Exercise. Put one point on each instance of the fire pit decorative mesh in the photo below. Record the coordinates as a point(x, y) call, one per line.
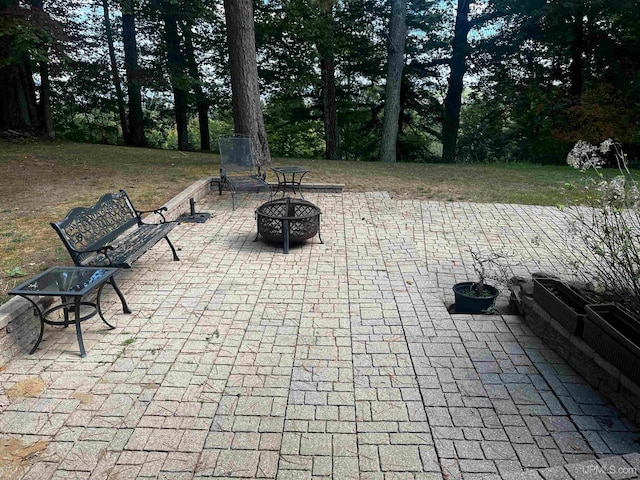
point(288, 220)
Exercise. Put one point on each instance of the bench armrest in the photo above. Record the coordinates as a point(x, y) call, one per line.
point(157, 210)
point(103, 250)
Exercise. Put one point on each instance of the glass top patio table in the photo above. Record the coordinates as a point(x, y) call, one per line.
point(70, 284)
point(65, 281)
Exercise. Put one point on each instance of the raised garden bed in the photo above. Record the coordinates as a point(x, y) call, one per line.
point(562, 302)
point(592, 356)
point(615, 334)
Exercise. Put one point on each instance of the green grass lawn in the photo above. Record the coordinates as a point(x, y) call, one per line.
point(41, 182)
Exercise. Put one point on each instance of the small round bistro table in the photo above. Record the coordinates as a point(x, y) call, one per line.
point(291, 182)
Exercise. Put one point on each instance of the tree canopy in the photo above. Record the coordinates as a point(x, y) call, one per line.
point(476, 80)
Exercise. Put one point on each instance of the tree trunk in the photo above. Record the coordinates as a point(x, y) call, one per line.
point(397, 39)
point(136, 119)
point(327, 71)
point(115, 76)
point(330, 109)
point(28, 85)
point(45, 102)
point(202, 105)
point(247, 111)
point(18, 104)
point(176, 66)
point(44, 106)
point(453, 99)
point(577, 51)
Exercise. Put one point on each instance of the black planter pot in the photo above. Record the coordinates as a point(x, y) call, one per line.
point(467, 301)
point(614, 333)
point(561, 302)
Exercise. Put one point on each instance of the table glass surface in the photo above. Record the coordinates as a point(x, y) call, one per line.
point(290, 169)
point(67, 281)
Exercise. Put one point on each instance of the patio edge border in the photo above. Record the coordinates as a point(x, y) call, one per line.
point(316, 187)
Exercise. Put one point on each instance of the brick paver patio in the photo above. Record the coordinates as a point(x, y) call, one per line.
point(337, 360)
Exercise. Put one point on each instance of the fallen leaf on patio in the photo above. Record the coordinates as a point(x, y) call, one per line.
point(15, 456)
point(30, 387)
point(84, 398)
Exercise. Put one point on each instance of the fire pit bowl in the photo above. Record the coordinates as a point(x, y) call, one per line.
point(288, 220)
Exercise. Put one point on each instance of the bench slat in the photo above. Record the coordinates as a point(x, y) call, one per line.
point(131, 247)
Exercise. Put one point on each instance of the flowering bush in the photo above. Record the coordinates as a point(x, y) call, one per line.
point(608, 231)
point(584, 156)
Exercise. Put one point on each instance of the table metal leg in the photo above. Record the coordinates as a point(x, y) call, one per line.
point(98, 306)
point(65, 311)
point(36, 308)
point(298, 184)
point(282, 184)
point(83, 353)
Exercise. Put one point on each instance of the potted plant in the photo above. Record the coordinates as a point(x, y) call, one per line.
point(479, 297)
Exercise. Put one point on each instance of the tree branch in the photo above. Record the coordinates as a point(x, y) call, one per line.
point(485, 18)
point(425, 66)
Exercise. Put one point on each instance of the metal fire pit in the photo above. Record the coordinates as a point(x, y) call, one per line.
point(288, 220)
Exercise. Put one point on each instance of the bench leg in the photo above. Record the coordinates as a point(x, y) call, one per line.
point(175, 255)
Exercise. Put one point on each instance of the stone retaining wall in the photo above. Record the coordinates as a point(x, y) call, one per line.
point(315, 187)
point(604, 377)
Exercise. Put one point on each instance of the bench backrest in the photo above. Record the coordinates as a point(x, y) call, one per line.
point(86, 228)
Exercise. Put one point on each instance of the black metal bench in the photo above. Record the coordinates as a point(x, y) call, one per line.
point(111, 233)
